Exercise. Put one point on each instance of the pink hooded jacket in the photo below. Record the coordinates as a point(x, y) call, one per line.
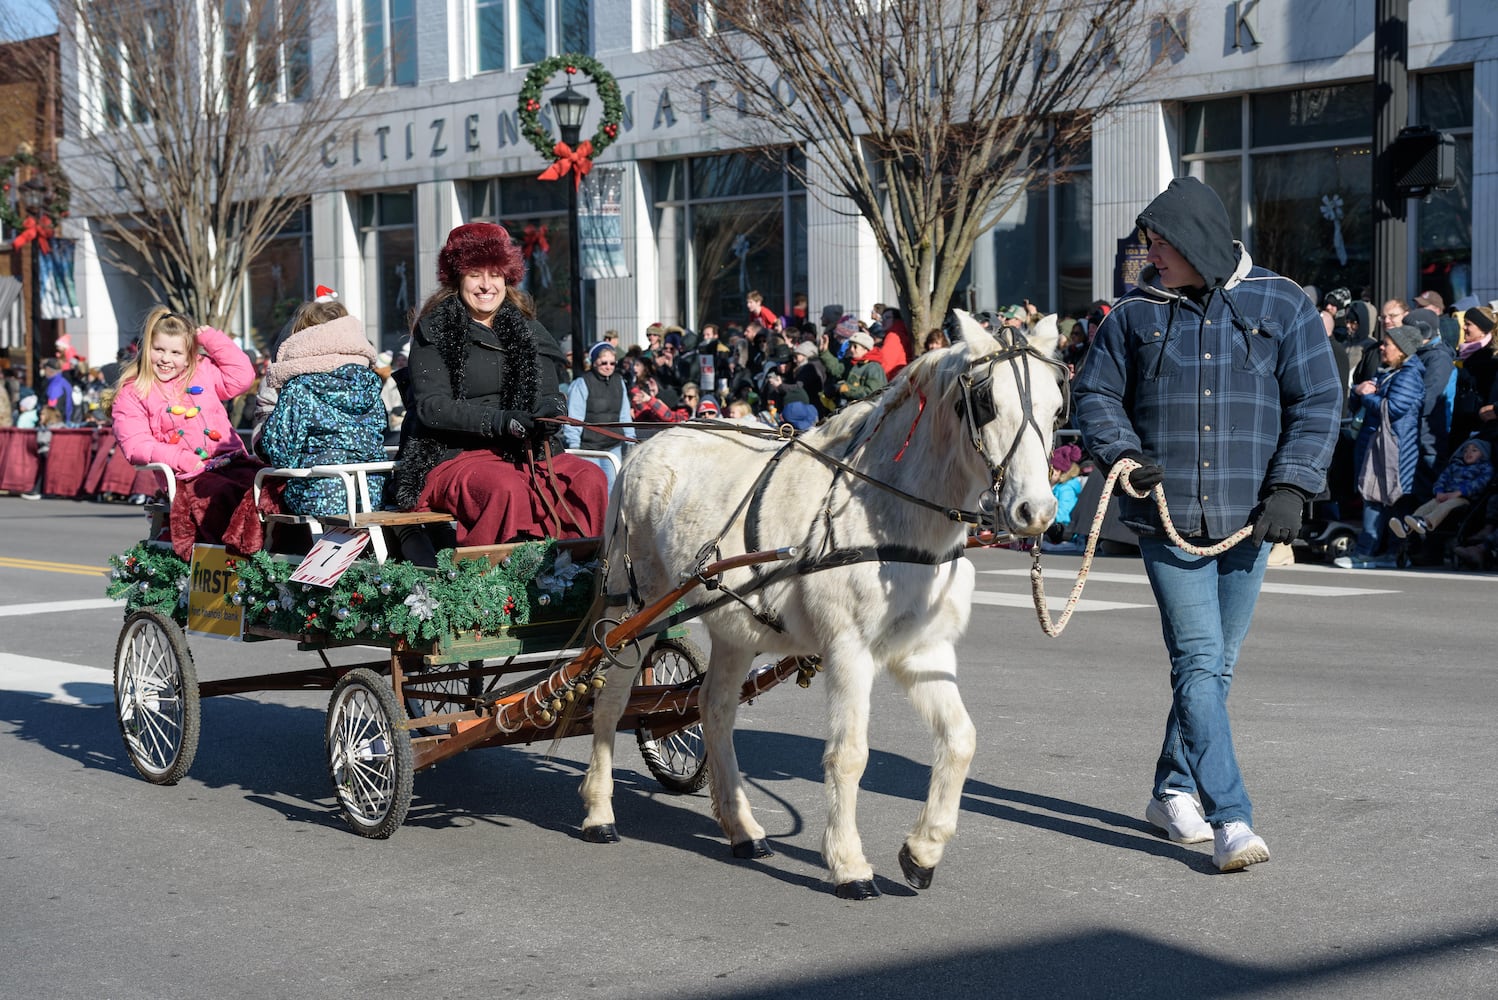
point(148, 431)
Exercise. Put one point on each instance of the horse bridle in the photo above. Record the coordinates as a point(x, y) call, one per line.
point(976, 406)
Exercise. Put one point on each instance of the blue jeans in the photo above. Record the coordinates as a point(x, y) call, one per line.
point(1375, 517)
point(1206, 605)
point(604, 464)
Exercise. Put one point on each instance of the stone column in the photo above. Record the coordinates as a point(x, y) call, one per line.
point(1133, 159)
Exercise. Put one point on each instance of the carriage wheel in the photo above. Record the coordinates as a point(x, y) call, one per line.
point(156, 697)
point(369, 754)
point(418, 706)
point(678, 761)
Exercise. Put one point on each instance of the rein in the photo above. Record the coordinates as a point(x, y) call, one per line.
point(1119, 473)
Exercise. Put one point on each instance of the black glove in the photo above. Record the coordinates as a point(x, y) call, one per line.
point(1147, 476)
point(515, 423)
point(1279, 516)
point(551, 406)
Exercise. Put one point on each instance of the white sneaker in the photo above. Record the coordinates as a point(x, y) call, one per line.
point(1235, 846)
point(1179, 818)
point(1399, 527)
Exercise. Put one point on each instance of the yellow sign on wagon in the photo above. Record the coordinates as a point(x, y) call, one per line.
point(210, 610)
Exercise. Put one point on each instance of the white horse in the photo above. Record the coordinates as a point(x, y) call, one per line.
point(881, 581)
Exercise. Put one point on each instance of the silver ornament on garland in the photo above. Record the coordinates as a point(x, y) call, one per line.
point(385, 589)
point(236, 599)
point(271, 605)
point(341, 614)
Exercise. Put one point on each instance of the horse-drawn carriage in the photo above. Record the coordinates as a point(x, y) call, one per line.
point(840, 549)
point(435, 691)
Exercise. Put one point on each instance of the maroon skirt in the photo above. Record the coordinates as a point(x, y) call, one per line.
point(497, 500)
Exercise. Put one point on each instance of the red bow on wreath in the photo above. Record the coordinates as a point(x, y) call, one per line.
point(578, 160)
point(41, 231)
point(535, 239)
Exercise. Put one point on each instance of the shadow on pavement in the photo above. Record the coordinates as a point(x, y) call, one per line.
point(274, 753)
point(1123, 966)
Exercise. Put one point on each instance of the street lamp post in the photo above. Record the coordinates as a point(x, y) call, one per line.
point(569, 107)
point(33, 196)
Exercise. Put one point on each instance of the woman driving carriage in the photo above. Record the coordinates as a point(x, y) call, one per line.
point(483, 375)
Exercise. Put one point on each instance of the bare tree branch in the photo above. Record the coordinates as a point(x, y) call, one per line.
point(929, 117)
point(199, 127)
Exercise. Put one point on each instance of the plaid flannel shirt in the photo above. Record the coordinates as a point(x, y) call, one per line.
point(1230, 400)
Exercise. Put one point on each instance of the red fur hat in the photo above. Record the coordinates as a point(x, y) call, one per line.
point(479, 244)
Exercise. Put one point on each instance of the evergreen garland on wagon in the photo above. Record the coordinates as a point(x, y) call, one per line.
point(376, 603)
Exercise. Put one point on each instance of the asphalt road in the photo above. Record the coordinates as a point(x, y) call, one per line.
point(1364, 707)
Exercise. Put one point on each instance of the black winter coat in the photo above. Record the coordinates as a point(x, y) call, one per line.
point(465, 379)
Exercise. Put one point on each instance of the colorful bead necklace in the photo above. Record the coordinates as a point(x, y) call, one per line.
point(188, 412)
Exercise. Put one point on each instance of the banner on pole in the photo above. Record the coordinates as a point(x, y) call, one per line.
point(600, 224)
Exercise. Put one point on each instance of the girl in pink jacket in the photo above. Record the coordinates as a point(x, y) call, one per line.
point(169, 408)
point(169, 405)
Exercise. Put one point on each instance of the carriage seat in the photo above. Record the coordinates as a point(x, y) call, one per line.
point(354, 477)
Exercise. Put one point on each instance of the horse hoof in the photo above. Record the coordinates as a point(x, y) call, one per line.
point(916, 874)
point(751, 850)
point(605, 834)
point(863, 888)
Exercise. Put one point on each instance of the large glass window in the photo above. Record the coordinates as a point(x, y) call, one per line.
point(389, 43)
point(513, 33)
point(387, 239)
point(1443, 221)
point(535, 213)
point(729, 224)
point(1042, 246)
point(1294, 170)
point(272, 54)
point(280, 279)
point(134, 42)
point(683, 20)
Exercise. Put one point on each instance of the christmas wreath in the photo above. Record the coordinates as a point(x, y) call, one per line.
point(570, 63)
point(57, 185)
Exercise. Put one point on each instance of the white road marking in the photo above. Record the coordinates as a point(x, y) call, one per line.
point(62, 683)
point(1270, 586)
point(47, 607)
point(1056, 604)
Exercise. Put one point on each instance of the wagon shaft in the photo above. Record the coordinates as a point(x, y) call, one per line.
point(660, 709)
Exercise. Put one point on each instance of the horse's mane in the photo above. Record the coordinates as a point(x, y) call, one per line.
point(935, 370)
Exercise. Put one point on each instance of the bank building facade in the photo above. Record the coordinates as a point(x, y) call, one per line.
point(1267, 101)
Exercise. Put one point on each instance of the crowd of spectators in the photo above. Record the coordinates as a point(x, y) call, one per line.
point(796, 370)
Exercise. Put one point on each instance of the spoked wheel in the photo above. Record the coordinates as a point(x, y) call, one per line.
point(156, 697)
point(369, 754)
point(678, 761)
point(429, 700)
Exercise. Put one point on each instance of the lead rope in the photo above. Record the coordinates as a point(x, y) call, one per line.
point(1120, 468)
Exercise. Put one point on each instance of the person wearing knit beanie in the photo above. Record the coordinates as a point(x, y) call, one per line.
point(1409, 338)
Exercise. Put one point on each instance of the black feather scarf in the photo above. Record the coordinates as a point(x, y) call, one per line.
point(446, 327)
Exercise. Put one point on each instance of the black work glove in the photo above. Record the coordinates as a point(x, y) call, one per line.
point(1279, 516)
point(1147, 476)
point(514, 423)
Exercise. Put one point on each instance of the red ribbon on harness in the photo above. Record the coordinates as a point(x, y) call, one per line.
point(41, 231)
point(911, 433)
point(578, 161)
